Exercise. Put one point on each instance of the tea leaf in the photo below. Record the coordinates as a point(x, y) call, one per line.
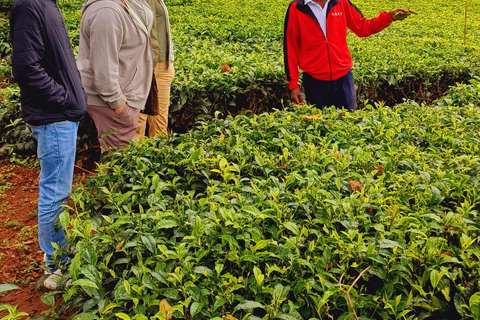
point(48, 298)
point(150, 243)
point(85, 283)
point(248, 306)
point(122, 316)
point(435, 278)
point(64, 219)
point(167, 223)
point(7, 287)
point(195, 308)
point(474, 304)
point(385, 243)
point(293, 227)
point(311, 118)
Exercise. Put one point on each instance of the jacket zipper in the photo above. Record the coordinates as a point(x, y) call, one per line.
point(135, 21)
point(328, 51)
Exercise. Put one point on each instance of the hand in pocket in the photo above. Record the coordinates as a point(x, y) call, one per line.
point(120, 110)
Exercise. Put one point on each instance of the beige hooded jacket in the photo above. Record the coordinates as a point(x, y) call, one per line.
point(115, 53)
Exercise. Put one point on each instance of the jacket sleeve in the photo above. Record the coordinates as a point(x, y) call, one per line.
point(28, 52)
point(291, 47)
point(363, 27)
point(106, 34)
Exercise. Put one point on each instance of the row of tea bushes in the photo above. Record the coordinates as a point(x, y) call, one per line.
point(416, 58)
point(300, 214)
point(229, 55)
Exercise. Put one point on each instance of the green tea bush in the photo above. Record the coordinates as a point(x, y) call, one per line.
point(229, 55)
point(5, 6)
point(15, 135)
point(5, 39)
point(418, 58)
point(305, 214)
point(464, 94)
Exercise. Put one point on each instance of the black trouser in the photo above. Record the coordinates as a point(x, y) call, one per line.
point(339, 93)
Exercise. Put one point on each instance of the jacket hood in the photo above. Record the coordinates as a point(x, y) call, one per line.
point(90, 2)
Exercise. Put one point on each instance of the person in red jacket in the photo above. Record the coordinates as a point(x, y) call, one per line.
point(315, 40)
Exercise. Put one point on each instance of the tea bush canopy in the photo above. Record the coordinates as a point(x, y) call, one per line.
point(418, 58)
point(294, 214)
point(301, 214)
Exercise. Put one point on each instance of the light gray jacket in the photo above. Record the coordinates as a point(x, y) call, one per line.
point(115, 54)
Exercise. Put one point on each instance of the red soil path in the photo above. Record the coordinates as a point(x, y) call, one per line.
point(20, 256)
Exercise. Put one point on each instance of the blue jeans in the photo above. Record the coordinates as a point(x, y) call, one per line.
point(56, 152)
point(339, 93)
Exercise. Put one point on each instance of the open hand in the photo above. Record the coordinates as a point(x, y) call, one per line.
point(401, 13)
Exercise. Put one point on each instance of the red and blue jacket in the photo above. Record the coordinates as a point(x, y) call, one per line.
point(324, 58)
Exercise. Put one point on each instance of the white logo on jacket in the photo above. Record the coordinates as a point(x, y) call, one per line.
point(337, 14)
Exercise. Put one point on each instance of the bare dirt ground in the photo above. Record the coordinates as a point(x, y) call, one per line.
point(20, 256)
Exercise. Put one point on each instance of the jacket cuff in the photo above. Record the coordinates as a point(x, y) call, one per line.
point(292, 84)
point(388, 17)
point(118, 103)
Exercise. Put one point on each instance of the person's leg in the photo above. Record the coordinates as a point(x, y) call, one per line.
point(99, 117)
point(142, 124)
point(159, 124)
point(316, 91)
point(343, 92)
point(125, 124)
point(349, 91)
point(56, 152)
point(121, 128)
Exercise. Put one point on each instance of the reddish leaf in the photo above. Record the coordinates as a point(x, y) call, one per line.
point(379, 170)
point(355, 185)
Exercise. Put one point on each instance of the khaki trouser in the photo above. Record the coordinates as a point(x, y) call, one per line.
point(158, 124)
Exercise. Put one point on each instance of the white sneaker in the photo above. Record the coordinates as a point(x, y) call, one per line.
point(54, 277)
point(51, 282)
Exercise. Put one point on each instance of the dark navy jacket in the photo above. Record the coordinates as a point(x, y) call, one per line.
point(43, 64)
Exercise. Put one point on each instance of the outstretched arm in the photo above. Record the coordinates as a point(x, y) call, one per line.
point(363, 27)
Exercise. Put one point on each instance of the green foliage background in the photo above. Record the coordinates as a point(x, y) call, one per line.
point(256, 217)
point(418, 58)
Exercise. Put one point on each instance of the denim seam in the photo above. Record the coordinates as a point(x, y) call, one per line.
point(57, 169)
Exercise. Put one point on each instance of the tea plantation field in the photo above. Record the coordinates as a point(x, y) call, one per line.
point(298, 214)
point(415, 58)
point(418, 58)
